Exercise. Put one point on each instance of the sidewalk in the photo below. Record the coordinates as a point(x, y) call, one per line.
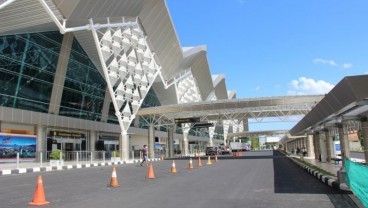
point(32, 167)
point(332, 168)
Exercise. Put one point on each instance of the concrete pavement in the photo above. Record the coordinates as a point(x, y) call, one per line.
point(258, 179)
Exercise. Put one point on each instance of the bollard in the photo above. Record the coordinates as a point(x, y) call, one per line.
point(41, 159)
point(103, 156)
point(77, 158)
point(60, 159)
point(17, 160)
point(91, 157)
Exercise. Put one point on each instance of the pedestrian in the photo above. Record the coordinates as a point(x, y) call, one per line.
point(144, 153)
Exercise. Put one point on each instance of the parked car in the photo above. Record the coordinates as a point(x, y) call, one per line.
point(211, 151)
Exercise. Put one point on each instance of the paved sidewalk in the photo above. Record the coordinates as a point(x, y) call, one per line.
point(32, 167)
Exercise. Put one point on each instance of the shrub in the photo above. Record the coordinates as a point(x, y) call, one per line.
point(115, 154)
point(55, 155)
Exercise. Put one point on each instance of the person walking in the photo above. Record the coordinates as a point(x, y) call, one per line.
point(144, 153)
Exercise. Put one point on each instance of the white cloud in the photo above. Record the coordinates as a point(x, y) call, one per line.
point(324, 61)
point(307, 86)
point(332, 63)
point(347, 66)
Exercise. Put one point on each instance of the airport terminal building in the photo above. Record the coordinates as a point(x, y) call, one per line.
point(74, 74)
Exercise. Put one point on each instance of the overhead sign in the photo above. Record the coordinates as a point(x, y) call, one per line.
point(187, 120)
point(202, 125)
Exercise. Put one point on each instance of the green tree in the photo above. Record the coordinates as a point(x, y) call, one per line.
point(255, 142)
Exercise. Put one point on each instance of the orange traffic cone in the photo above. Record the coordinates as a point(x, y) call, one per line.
point(114, 179)
point(173, 167)
point(151, 174)
point(216, 160)
point(199, 162)
point(39, 195)
point(209, 160)
point(190, 164)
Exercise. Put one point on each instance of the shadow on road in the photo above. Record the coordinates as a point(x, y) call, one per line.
point(289, 178)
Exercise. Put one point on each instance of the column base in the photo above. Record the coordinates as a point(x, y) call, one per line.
point(341, 175)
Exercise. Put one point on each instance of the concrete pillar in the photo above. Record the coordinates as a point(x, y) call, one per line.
point(310, 146)
point(344, 141)
point(92, 140)
point(323, 146)
point(316, 145)
point(151, 141)
point(41, 142)
point(329, 146)
point(60, 74)
point(185, 141)
point(365, 138)
point(170, 141)
point(124, 147)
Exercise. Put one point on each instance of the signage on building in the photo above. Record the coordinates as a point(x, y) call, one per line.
point(67, 134)
point(187, 120)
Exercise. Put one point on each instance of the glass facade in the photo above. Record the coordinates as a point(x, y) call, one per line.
point(27, 69)
point(84, 87)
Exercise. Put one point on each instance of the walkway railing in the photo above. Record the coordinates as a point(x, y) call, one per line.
point(357, 179)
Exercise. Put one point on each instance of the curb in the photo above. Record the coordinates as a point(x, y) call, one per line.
point(18, 171)
point(328, 180)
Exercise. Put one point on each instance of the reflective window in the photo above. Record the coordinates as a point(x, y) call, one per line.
point(84, 87)
point(27, 68)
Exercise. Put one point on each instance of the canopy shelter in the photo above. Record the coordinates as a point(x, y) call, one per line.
point(237, 109)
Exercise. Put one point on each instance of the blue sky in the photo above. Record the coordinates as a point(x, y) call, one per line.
point(277, 47)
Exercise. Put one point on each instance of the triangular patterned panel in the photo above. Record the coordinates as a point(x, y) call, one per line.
point(136, 95)
point(123, 72)
point(136, 32)
point(147, 56)
point(117, 48)
point(144, 81)
point(127, 33)
point(117, 37)
point(140, 54)
point(135, 106)
point(106, 38)
point(113, 78)
point(114, 66)
point(142, 44)
point(143, 89)
point(132, 56)
point(126, 44)
point(120, 100)
point(138, 69)
point(120, 90)
point(133, 68)
point(129, 93)
point(126, 111)
point(137, 79)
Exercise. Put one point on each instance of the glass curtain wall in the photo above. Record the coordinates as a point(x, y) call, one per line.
point(27, 69)
point(84, 87)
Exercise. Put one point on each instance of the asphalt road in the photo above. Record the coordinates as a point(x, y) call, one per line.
point(259, 179)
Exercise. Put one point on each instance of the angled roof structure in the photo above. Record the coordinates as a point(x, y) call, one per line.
point(347, 100)
point(220, 86)
point(238, 109)
point(27, 16)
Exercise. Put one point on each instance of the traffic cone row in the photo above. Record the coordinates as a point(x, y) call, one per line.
point(40, 198)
